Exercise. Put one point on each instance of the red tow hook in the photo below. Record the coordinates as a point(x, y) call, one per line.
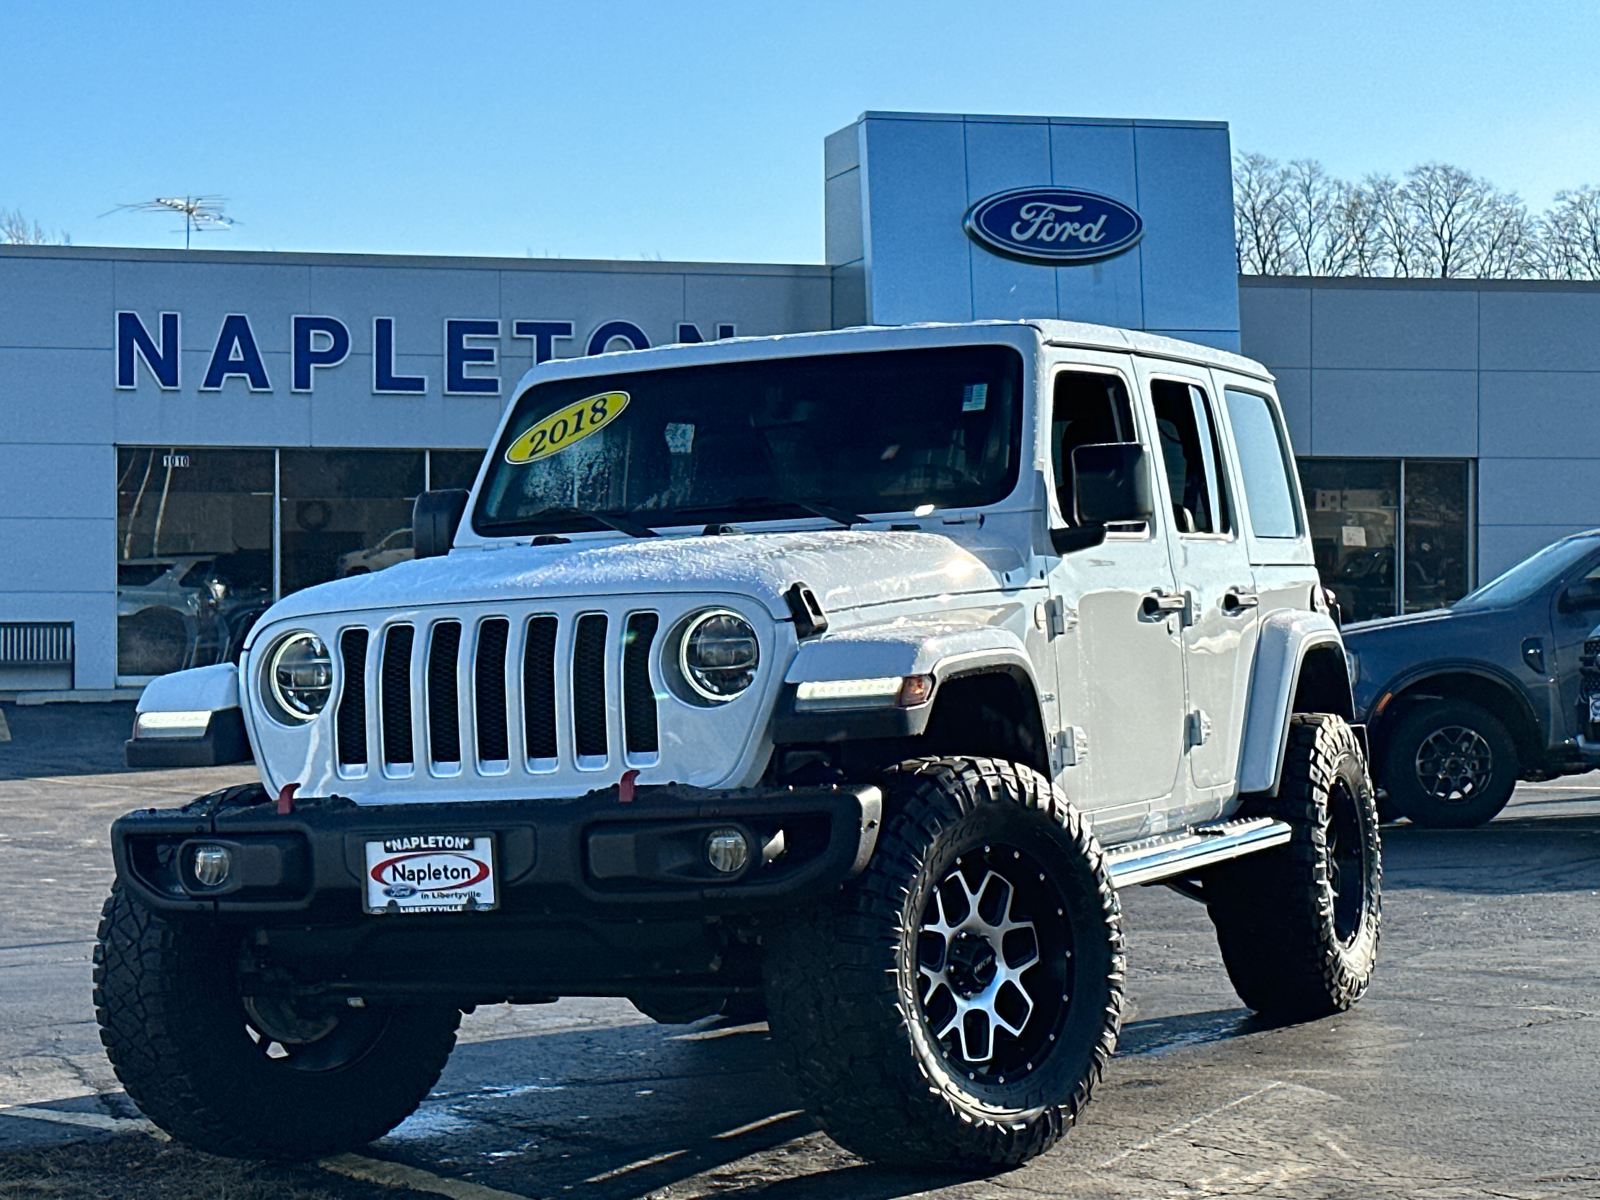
point(286, 799)
point(625, 787)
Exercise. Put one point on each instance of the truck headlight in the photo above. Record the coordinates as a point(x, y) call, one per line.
point(718, 655)
point(299, 677)
point(1352, 664)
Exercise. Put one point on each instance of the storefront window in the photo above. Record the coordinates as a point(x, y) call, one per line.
point(345, 512)
point(194, 555)
point(453, 468)
point(1437, 539)
point(1390, 535)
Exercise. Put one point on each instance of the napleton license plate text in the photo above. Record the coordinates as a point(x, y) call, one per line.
point(440, 872)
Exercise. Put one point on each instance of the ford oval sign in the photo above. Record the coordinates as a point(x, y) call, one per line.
point(1053, 225)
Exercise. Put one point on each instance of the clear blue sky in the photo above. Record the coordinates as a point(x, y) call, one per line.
point(694, 131)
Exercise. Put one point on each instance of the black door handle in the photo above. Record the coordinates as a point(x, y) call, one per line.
point(1159, 603)
point(1237, 599)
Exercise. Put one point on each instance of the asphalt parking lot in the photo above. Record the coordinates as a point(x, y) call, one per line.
point(1468, 1071)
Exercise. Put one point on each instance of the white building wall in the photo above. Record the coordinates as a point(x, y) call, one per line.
point(62, 417)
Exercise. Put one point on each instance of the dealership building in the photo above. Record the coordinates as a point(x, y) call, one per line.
point(185, 435)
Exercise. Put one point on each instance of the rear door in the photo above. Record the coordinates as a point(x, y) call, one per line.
point(1212, 567)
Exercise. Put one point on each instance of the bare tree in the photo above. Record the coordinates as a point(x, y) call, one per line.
point(17, 230)
point(1507, 241)
point(1569, 235)
point(1393, 237)
point(1353, 244)
point(1263, 242)
point(1448, 209)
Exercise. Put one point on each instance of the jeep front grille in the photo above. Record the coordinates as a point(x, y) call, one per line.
point(352, 719)
point(570, 676)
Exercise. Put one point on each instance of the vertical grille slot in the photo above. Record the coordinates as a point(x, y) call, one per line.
point(539, 688)
point(444, 719)
point(352, 719)
point(638, 697)
point(489, 681)
point(589, 687)
point(396, 694)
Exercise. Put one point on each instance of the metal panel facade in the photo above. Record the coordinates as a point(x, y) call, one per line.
point(919, 173)
point(1503, 372)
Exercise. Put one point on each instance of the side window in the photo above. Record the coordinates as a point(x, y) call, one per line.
point(1192, 456)
point(1264, 464)
point(1090, 409)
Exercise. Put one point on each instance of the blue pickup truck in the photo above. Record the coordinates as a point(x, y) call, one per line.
point(1463, 701)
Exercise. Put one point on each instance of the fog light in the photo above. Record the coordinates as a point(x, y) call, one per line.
point(211, 865)
point(727, 850)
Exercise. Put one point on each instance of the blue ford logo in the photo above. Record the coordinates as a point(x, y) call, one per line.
point(1053, 225)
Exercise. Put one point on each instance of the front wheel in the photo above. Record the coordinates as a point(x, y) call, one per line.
point(960, 1000)
point(1298, 925)
point(252, 1076)
point(1451, 764)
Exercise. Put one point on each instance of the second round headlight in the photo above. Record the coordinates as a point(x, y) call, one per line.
point(718, 655)
point(300, 676)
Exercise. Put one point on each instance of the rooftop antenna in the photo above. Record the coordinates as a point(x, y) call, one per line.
point(200, 213)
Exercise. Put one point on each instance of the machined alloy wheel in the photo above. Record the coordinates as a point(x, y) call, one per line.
point(992, 951)
point(957, 1003)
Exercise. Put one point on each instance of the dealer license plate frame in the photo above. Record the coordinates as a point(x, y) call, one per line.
point(427, 851)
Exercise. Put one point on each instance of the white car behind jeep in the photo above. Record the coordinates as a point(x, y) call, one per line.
point(841, 678)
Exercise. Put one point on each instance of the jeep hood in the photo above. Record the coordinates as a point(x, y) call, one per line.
point(845, 568)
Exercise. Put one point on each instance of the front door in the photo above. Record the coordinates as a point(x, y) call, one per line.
point(1116, 624)
point(1212, 566)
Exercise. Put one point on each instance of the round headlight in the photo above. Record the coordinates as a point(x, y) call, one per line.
point(300, 676)
point(719, 655)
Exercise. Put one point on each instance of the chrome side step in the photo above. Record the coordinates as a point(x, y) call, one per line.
point(1154, 859)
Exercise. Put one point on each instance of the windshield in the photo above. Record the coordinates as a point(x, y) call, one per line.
point(779, 438)
point(1531, 574)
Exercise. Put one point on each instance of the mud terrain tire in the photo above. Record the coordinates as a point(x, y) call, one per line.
point(877, 1000)
point(1298, 924)
point(172, 1019)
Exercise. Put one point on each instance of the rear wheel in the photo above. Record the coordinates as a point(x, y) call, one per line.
point(1298, 925)
point(959, 1001)
point(1450, 764)
point(252, 1076)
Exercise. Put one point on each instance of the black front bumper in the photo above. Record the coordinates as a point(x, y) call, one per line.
point(596, 896)
point(591, 856)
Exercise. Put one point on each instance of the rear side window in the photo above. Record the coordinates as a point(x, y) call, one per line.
point(1264, 463)
point(1192, 457)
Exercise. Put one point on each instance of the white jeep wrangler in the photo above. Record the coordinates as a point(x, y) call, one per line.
point(838, 678)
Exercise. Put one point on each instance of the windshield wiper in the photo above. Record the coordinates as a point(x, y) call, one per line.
point(816, 508)
point(607, 520)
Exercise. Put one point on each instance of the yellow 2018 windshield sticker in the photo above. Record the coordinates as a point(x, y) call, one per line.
point(566, 427)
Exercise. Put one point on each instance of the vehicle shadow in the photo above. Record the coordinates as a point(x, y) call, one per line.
point(615, 1113)
point(623, 1112)
point(64, 739)
point(1507, 856)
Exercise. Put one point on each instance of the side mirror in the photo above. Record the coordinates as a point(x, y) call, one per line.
point(1583, 596)
point(435, 517)
point(1110, 486)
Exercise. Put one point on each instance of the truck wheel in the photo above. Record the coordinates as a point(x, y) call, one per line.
point(251, 1077)
point(1298, 925)
point(1451, 764)
point(959, 1000)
